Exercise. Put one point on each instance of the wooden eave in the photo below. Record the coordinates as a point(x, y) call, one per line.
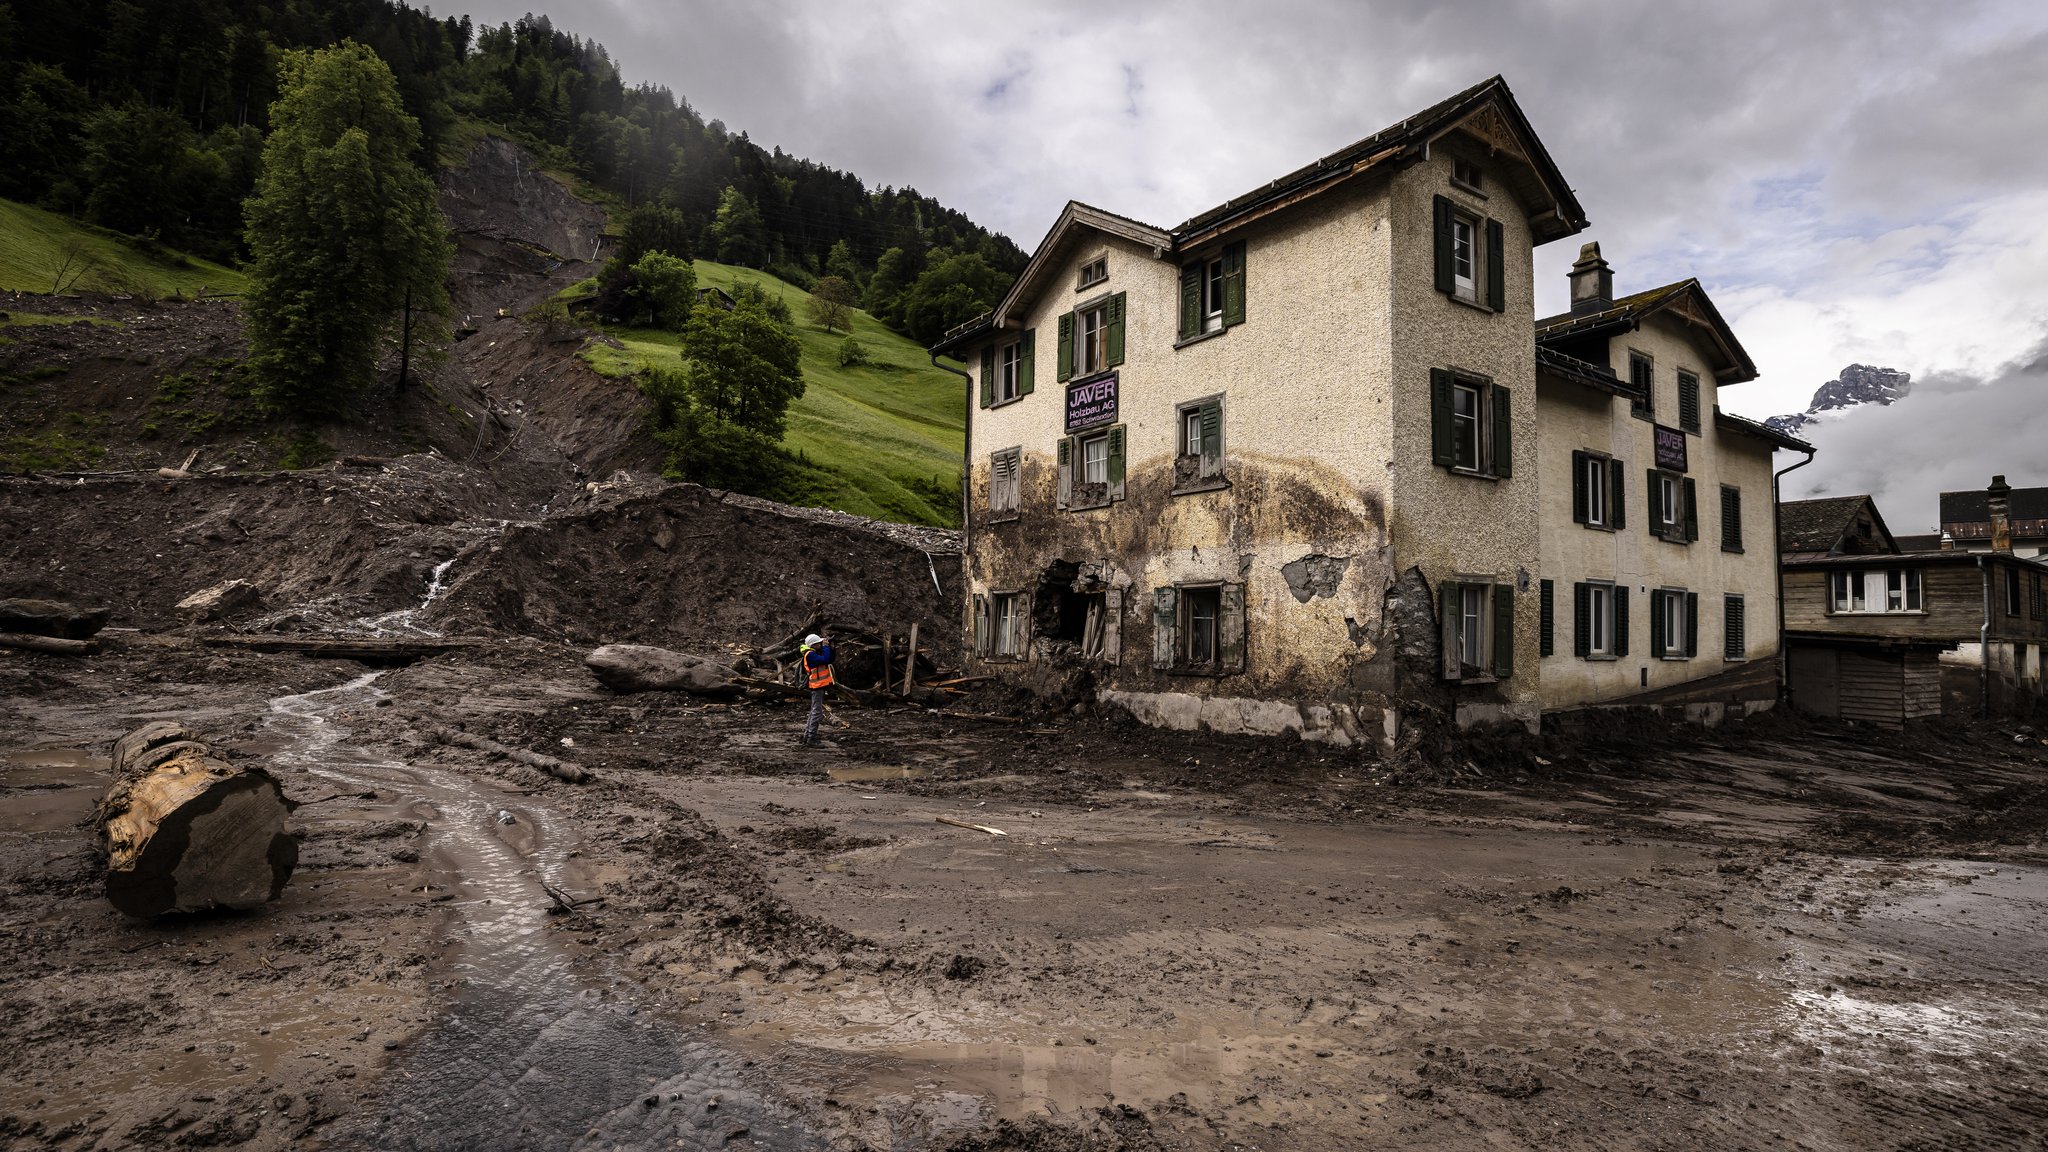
point(1047, 258)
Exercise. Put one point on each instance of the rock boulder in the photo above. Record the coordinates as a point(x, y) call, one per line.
point(643, 668)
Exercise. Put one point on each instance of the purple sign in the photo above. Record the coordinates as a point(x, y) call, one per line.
point(1670, 449)
point(1091, 403)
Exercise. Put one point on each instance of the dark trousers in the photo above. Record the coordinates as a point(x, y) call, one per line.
point(817, 712)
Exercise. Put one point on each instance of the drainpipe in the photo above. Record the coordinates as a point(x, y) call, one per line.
point(1777, 552)
point(1984, 644)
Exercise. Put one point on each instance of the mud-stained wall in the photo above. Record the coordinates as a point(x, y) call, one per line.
point(1301, 520)
point(1577, 418)
point(1444, 523)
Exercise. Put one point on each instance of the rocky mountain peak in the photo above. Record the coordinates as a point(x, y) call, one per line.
point(1858, 384)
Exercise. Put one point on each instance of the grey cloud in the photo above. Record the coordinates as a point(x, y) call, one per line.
point(1952, 433)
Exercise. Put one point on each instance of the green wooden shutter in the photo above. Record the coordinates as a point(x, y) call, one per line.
point(1446, 272)
point(1503, 630)
point(1503, 432)
point(1657, 643)
point(1621, 619)
point(1233, 284)
point(1230, 628)
point(988, 376)
point(1582, 620)
point(1731, 519)
point(1190, 301)
point(1165, 612)
point(1692, 623)
point(1443, 442)
point(1734, 645)
point(1617, 497)
point(1580, 514)
point(1066, 365)
point(1496, 267)
point(1656, 492)
point(1114, 339)
point(1546, 619)
point(1116, 462)
point(980, 625)
point(1692, 511)
point(1450, 597)
point(1064, 486)
point(1212, 437)
point(1024, 359)
point(1688, 402)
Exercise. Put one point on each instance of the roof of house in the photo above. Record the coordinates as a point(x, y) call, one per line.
point(1685, 299)
point(1973, 508)
point(1816, 529)
point(1740, 424)
point(1926, 542)
point(1487, 110)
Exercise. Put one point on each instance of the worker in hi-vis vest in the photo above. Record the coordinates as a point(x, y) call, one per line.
point(818, 676)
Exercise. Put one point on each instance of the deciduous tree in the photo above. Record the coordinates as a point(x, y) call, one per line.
point(832, 300)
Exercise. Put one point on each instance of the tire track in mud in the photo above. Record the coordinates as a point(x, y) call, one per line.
point(530, 1053)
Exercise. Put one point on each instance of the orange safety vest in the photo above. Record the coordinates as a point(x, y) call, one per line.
point(819, 675)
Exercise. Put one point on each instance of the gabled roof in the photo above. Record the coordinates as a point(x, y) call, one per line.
point(1764, 432)
point(1685, 300)
point(1974, 506)
point(1486, 111)
point(1821, 527)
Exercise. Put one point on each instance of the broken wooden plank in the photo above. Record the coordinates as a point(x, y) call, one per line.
point(54, 645)
point(559, 769)
point(990, 717)
point(971, 827)
point(910, 663)
point(368, 649)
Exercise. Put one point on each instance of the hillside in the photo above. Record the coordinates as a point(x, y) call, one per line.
point(881, 440)
point(40, 251)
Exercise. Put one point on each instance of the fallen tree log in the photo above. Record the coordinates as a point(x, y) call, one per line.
point(367, 649)
point(51, 618)
point(559, 769)
point(645, 668)
point(51, 644)
point(184, 830)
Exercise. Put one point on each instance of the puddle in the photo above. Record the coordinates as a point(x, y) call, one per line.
point(868, 773)
point(531, 1053)
point(52, 788)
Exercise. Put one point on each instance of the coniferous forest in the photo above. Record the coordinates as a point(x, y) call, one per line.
point(150, 117)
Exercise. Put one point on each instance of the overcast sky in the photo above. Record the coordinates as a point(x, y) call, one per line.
point(1857, 181)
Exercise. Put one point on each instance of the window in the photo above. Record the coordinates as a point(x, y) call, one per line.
point(1474, 424)
point(1002, 624)
point(1464, 172)
point(1091, 338)
point(1596, 490)
point(1731, 518)
point(1734, 643)
point(1879, 591)
point(1006, 371)
point(1642, 375)
point(2012, 592)
point(1212, 293)
point(1091, 468)
point(2040, 598)
point(1199, 629)
point(1478, 622)
point(1546, 619)
point(1470, 256)
point(1689, 402)
point(1599, 620)
point(1198, 462)
point(1005, 485)
point(1094, 350)
point(1093, 272)
point(1674, 623)
point(1674, 512)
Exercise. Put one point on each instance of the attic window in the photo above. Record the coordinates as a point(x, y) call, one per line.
point(1465, 172)
point(1093, 272)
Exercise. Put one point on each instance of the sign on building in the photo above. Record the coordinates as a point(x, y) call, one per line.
point(1670, 449)
point(1091, 403)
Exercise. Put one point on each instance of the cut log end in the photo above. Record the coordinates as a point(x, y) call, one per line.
point(186, 831)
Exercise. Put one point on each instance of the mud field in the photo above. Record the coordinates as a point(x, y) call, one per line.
point(1783, 937)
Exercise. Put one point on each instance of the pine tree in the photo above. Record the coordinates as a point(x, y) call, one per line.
point(738, 230)
point(346, 232)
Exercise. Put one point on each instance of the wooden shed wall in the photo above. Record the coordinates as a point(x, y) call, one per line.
point(1872, 688)
point(1922, 686)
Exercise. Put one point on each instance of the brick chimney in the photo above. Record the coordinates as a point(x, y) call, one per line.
point(1948, 542)
point(1998, 501)
point(1592, 281)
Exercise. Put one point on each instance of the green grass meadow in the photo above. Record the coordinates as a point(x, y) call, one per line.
point(883, 440)
point(34, 244)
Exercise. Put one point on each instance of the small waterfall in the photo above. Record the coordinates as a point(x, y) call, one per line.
point(401, 621)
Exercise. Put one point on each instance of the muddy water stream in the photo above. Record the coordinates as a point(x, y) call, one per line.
point(529, 1052)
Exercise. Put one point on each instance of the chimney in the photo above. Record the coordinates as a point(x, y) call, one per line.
point(1997, 499)
point(1948, 542)
point(1592, 282)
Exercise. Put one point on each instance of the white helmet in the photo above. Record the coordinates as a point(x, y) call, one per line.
point(813, 640)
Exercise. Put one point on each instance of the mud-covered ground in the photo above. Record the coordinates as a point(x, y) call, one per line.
point(1785, 936)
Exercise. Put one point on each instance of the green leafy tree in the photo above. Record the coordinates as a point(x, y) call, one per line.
point(738, 230)
point(653, 228)
point(666, 289)
point(895, 272)
point(952, 291)
point(345, 232)
point(744, 365)
point(832, 300)
point(840, 262)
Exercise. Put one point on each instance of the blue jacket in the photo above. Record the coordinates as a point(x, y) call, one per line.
point(818, 657)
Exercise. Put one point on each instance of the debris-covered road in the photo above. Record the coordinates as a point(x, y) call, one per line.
point(1780, 938)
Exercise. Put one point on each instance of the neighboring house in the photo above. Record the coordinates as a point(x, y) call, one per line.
point(1966, 520)
point(1301, 463)
point(1865, 622)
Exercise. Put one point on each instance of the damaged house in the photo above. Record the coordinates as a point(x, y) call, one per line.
point(1302, 463)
